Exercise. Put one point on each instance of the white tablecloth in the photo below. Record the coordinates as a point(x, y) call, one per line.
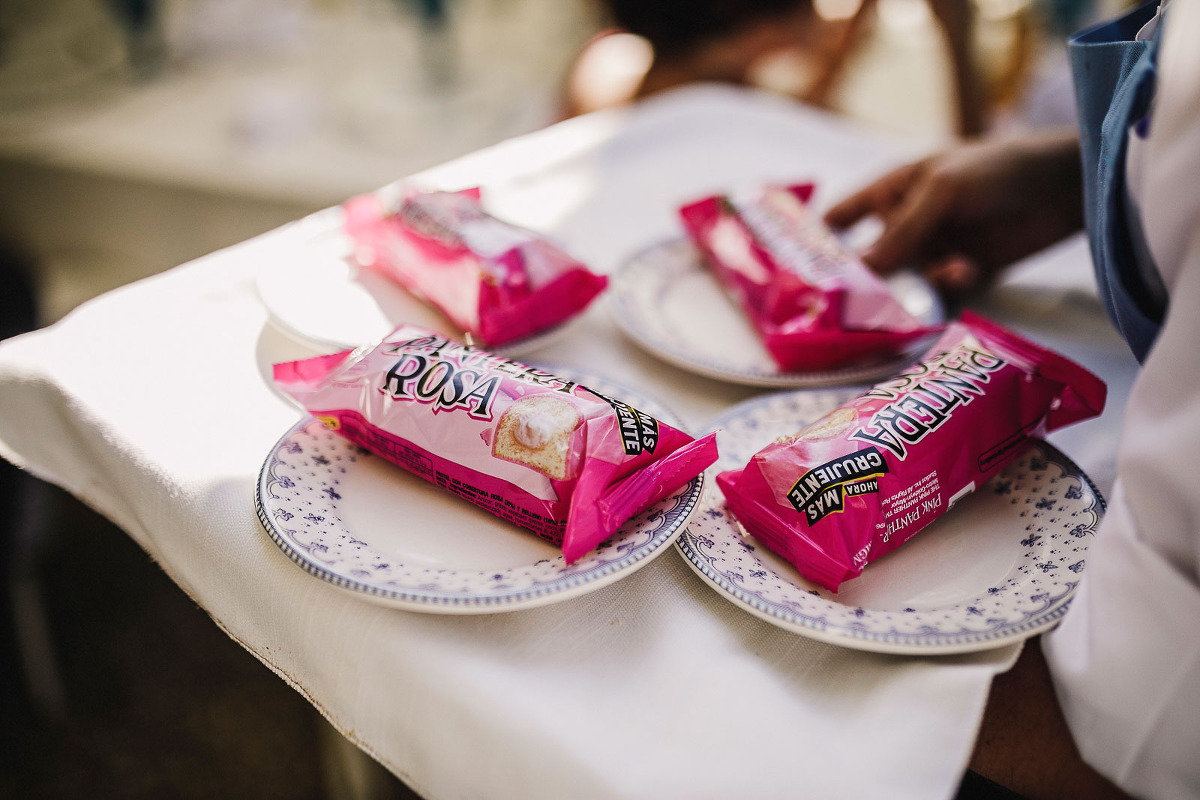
point(152, 404)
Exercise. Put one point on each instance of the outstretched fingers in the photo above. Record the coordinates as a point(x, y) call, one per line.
point(877, 198)
point(911, 225)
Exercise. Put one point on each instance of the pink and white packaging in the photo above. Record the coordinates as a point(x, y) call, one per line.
point(544, 453)
point(813, 302)
point(497, 281)
point(858, 483)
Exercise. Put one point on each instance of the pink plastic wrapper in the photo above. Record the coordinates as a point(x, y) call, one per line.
point(494, 280)
point(813, 302)
point(544, 453)
point(860, 481)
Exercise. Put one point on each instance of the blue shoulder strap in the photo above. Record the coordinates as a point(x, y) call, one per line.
point(1114, 85)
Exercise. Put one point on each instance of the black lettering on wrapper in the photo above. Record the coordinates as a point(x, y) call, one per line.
point(639, 430)
point(822, 490)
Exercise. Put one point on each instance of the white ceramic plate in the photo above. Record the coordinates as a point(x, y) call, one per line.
point(318, 296)
point(1001, 566)
point(669, 303)
point(363, 524)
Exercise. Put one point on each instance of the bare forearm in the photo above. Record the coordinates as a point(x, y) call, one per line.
point(1024, 743)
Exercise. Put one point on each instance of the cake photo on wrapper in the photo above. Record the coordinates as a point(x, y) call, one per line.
point(827, 428)
point(536, 431)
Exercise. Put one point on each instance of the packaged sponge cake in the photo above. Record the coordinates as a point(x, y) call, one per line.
point(543, 452)
point(813, 303)
point(497, 281)
point(862, 480)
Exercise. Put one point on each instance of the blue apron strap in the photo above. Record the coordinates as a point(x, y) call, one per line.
point(1114, 85)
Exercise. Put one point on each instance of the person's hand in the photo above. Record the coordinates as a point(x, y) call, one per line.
point(962, 215)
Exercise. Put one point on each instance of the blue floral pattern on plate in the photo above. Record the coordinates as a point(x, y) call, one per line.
point(999, 567)
point(664, 299)
point(302, 492)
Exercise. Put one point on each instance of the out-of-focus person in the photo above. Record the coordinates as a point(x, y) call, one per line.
point(662, 44)
point(1120, 682)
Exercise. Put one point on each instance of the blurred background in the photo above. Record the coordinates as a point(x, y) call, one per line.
point(136, 135)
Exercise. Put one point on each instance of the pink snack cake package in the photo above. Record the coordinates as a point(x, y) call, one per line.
point(860, 481)
point(494, 280)
point(544, 453)
point(815, 305)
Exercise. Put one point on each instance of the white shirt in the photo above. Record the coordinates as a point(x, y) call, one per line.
point(1126, 659)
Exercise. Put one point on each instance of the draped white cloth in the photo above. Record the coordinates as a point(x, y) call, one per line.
point(152, 404)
